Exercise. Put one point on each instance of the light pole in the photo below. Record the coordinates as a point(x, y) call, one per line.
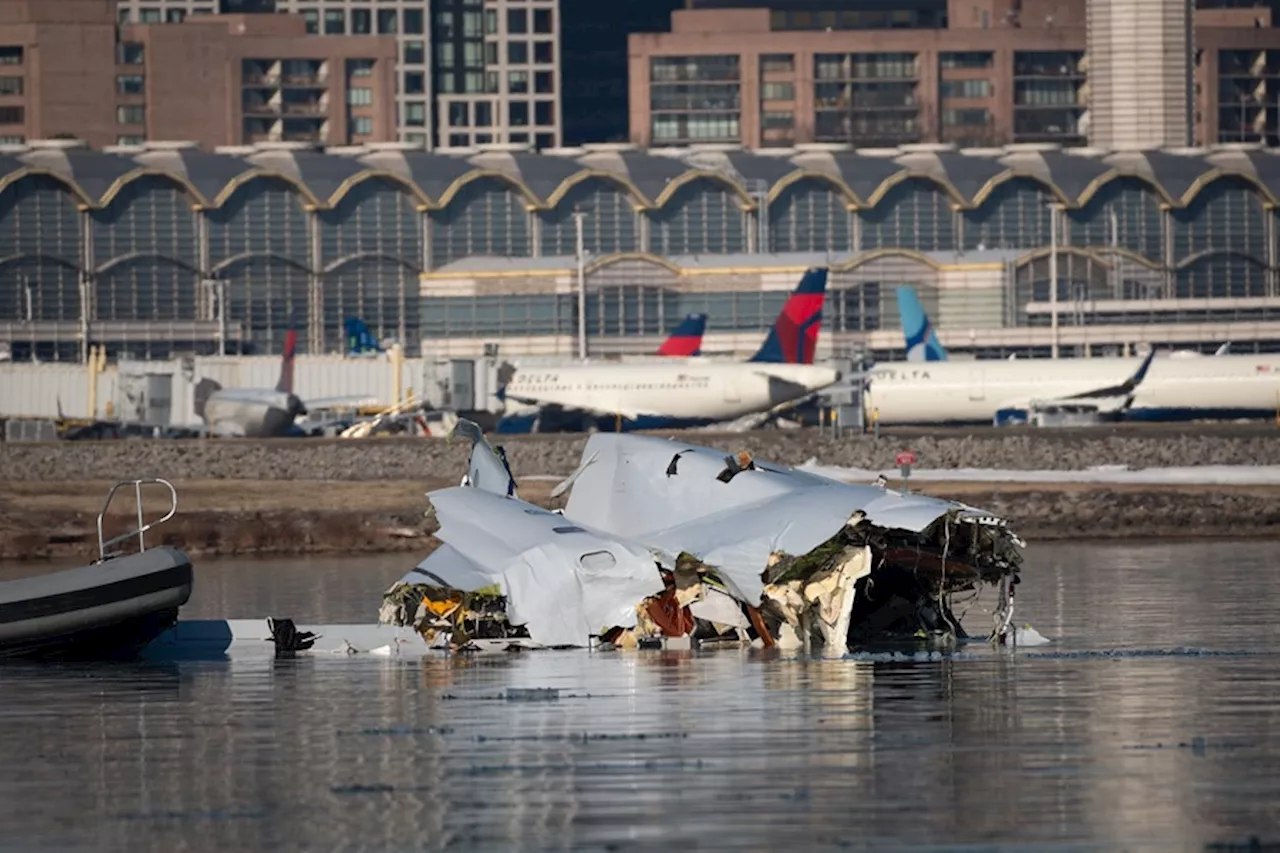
point(581, 253)
point(1053, 278)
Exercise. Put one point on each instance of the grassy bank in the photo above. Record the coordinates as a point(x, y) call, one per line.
point(57, 519)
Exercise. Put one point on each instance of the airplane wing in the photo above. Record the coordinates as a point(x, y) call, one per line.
point(1111, 398)
point(352, 402)
point(595, 411)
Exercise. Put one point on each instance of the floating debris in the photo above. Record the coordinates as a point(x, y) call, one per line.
point(674, 545)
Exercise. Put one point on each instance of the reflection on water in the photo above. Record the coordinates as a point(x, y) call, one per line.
point(1059, 748)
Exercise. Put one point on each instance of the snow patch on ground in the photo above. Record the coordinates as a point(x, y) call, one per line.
point(1216, 475)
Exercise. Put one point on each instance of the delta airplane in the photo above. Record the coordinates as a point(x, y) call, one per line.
point(988, 391)
point(685, 341)
point(922, 339)
point(685, 393)
point(259, 412)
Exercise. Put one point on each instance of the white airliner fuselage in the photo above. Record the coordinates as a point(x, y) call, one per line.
point(1225, 386)
point(690, 392)
point(251, 412)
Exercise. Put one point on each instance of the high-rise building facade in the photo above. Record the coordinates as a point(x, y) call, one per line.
point(496, 72)
point(55, 70)
point(1002, 71)
point(408, 21)
point(593, 63)
point(1141, 69)
point(468, 71)
point(69, 70)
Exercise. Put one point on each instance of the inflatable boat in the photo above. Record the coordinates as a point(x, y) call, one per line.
point(110, 608)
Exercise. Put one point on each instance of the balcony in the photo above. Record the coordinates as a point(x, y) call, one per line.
point(303, 81)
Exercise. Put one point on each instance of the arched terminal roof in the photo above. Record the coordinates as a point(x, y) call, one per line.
point(650, 177)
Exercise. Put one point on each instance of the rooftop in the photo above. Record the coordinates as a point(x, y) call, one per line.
point(651, 176)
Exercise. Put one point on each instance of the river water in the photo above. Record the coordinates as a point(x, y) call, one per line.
point(1151, 722)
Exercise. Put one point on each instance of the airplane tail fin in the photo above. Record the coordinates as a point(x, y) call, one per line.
point(685, 339)
point(794, 336)
point(204, 389)
point(286, 360)
point(922, 339)
point(360, 341)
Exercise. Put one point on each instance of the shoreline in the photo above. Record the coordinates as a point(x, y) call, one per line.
point(56, 520)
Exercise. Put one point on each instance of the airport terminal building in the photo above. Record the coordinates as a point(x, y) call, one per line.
point(166, 249)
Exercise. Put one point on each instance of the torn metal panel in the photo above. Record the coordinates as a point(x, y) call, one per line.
point(739, 540)
point(487, 468)
point(625, 484)
point(772, 532)
point(561, 582)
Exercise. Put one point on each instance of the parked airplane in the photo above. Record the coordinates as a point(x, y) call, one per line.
point(922, 338)
point(988, 391)
point(985, 391)
point(658, 395)
point(686, 339)
point(360, 341)
point(259, 412)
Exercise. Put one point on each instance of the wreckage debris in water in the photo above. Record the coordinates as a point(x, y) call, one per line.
point(662, 542)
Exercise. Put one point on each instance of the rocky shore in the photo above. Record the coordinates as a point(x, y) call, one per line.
point(395, 459)
point(303, 496)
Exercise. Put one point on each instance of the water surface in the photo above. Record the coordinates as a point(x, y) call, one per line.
point(1152, 722)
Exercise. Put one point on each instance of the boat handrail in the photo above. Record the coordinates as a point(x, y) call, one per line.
point(142, 527)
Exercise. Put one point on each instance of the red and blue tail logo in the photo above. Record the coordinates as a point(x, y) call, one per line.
point(286, 362)
point(686, 339)
point(794, 336)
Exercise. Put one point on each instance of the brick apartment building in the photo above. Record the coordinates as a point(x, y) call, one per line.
point(66, 69)
point(999, 71)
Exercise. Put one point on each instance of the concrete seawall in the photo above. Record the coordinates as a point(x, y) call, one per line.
point(401, 459)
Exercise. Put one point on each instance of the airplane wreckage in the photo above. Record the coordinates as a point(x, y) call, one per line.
point(663, 543)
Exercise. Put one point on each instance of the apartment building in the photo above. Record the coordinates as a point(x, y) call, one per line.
point(66, 69)
point(55, 69)
point(408, 22)
point(1001, 71)
point(270, 81)
point(468, 72)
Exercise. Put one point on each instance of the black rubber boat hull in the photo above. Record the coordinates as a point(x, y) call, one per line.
point(109, 610)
